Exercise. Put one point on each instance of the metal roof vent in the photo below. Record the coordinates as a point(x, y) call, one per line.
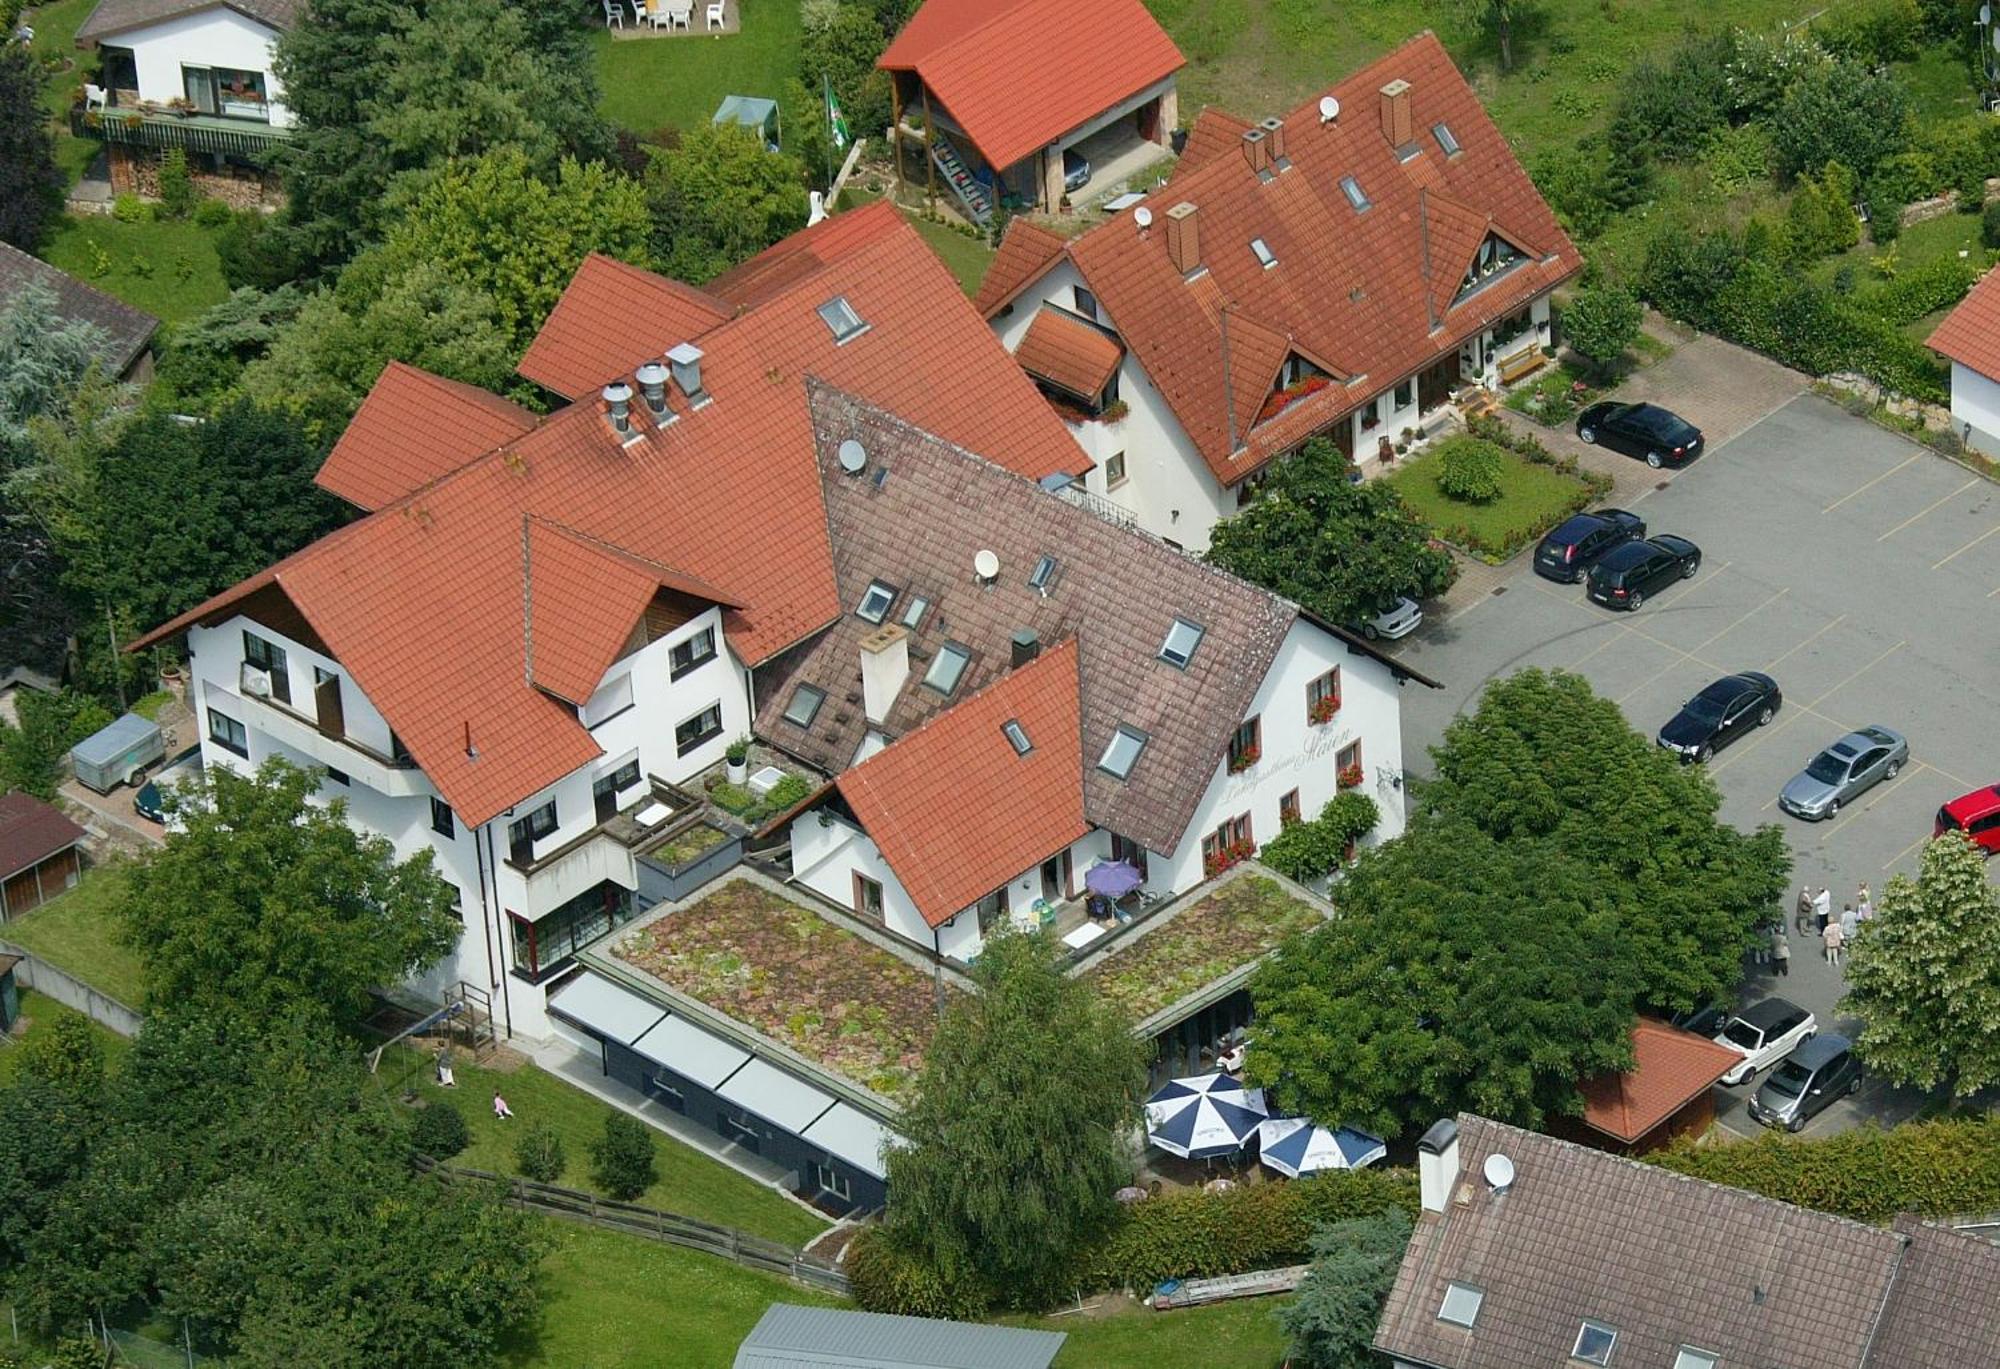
point(618, 400)
point(685, 359)
point(652, 378)
point(853, 457)
point(986, 566)
point(1499, 1171)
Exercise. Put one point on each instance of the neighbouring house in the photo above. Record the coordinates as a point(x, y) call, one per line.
point(789, 1336)
point(1668, 1092)
point(127, 351)
point(39, 856)
point(1531, 1251)
point(1031, 103)
point(1969, 338)
point(1339, 272)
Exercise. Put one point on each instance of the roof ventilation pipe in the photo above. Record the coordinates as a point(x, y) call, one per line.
point(685, 359)
point(618, 401)
point(652, 378)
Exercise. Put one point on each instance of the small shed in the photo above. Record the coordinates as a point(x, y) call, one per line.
point(38, 855)
point(789, 1336)
point(113, 755)
point(751, 112)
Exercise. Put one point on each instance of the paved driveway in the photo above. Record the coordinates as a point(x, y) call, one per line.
point(1860, 570)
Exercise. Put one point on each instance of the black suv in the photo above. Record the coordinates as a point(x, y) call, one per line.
point(1565, 554)
point(1627, 574)
point(1657, 436)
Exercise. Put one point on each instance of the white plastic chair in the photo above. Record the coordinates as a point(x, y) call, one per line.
point(715, 20)
point(95, 97)
point(681, 16)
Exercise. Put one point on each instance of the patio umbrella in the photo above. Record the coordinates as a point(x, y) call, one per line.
point(1296, 1145)
point(1205, 1116)
point(1113, 878)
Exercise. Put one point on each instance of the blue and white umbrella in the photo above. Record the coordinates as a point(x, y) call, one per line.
point(1208, 1115)
point(1296, 1145)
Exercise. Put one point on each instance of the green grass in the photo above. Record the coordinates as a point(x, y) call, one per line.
point(1230, 1335)
point(689, 1182)
point(1939, 84)
point(168, 269)
point(77, 932)
point(651, 83)
point(964, 255)
point(55, 35)
point(41, 1013)
point(150, 706)
point(1532, 500)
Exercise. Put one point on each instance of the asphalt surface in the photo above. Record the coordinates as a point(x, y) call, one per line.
point(1859, 570)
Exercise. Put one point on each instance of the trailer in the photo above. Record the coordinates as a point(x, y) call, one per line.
point(118, 754)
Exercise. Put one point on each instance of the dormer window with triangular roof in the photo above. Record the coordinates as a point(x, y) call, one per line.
point(1495, 256)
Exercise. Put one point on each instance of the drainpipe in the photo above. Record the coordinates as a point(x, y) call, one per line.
point(489, 876)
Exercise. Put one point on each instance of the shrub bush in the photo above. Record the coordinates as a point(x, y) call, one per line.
point(439, 1131)
point(1309, 851)
point(1871, 30)
point(885, 1277)
point(129, 208)
point(538, 1155)
point(622, 1158)
point(177, 192)
point(253, 251)
point(212, 214)
point(1468, 469)
point(1839, 112)
point(1925, 290)
point(1989, 225)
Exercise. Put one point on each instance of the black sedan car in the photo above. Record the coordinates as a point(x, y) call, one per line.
point(1657, 436)
point(1565, 554)
point(1627, 574)
point(1720, 714)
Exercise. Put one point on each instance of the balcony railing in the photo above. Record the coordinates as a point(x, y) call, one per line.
point(245, 138)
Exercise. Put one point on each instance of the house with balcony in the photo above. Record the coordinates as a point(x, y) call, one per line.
point(1336, 272)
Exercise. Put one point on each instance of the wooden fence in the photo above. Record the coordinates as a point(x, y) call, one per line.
point(753, 1252)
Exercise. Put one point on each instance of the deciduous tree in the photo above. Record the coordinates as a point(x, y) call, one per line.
point(1601, 322)
point(719, 198)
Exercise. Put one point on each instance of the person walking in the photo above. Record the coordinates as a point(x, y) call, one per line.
point(1849, 920)
point(1781, 952)
point(1832, 938)
point(445, 1077)
point(1804, 918)
point(1863, 909)
point(1822, 909)
point(1861, 897)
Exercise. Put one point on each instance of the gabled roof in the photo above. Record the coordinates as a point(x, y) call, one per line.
point(956, 811)
point(119, 16)
point(1371, 295)
point(126, 330)
point(1068, 352)
point(1025, 252)
point(1115, 591)
point(789, 1336)
point(1970, 333)
point(610, 313)
point(413, 428)
point(1018, 74)
point(1214, 133)
point(1942, 1316)
point(31, 831)
point(422, 600)
point(1670, 1067)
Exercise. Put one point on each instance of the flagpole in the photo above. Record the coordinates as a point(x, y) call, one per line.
point(826, 83)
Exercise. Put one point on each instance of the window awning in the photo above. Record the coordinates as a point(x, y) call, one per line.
point(690, 1052)
point(600, 1006)
point(775, 1096)
point(852, 1135)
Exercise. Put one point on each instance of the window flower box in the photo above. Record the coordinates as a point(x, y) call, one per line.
point(1243, 760)
point(1234, 854)
point(1324, 710)
point(1349, 777)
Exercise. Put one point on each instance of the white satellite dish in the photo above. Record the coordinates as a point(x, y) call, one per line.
point(1143, 217)
point(1985, 15)
point(1499, 1172)
point(853, 457)
point(1329, 109)
point(986, 565)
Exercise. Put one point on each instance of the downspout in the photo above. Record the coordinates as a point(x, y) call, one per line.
point(490, 871)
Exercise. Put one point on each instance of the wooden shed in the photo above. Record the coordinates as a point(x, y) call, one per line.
point(38, 853)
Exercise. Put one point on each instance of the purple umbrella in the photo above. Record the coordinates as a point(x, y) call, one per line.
point(1113, 879)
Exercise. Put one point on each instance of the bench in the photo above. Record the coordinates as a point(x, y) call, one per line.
point(1525, 362)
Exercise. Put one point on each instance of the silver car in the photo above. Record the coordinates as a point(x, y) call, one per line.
point(1842, 772)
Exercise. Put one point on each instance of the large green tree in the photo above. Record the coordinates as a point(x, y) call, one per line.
point(262, 900)
point(721, 197)
point(31, 184)
point(1343, 551)
point(1840, 111)
point(205, 356)
point(1923, 975)
point(1601, 322)
point(1332, 1320)
point(1018, 1129)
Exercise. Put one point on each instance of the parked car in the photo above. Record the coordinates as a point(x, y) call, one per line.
point(1765, 1033)
point(1572, 549)
point(1803, 1085)
point(146, 803)
point(1976, 814)
point(1076, 170)
point(1843, 772)
point(1706, 1020)
point(1402, 618)
point(1721, 713)
point(1627, 574)
point(1657, 436)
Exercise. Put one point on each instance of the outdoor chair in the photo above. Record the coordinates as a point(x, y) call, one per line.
point(95, 97)
point(715, 20)
point(614, 13)
point(681, 16)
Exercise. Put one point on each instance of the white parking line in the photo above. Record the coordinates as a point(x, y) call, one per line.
point(1927, 508)
point(1968, 547)
point(1873, 483)
point(1807, 642)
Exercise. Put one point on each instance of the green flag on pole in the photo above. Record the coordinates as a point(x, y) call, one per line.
point(836, 121)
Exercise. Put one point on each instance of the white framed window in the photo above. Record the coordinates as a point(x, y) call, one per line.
point(697, 650)
point(948, 667)
point(839, 316)
point(804, 706)
point(1594, 1343)
point(1691, 1358)
point(1182, 639)
point(1461, 1304)
point(1122, 752)
point(228, 733)
point(1114, 470)
point(876, 602)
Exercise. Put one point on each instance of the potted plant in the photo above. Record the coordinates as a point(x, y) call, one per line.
point(1244, 759)
point(1115, 412)
point(1349, 776)
point(1323, 710)
point(738, 756)
point(181, 106)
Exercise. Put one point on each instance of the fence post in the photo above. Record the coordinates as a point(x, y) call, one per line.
point(187, 1341)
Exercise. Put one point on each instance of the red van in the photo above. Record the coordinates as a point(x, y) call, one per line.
point(1976, 814)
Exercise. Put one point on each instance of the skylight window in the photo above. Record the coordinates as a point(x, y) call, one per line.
point(948, 667)
point(1594, 1343)
point(1182, 638)
point(1461, 1304)
point(875, 603)
point(1017, 736)
point(804, 706)
point(1356, 196)
point(1123, 752)
point(839, 315)
point(1691, 1358)
point(914, 613)
point(1447, 140)
point(1266, 258)
point(1043, 573)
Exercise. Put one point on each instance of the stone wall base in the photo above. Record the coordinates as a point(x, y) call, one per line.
point(136, 171)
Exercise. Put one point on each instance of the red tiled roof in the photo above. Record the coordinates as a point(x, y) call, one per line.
point(1970, 333)
point(1363, 293)
point(413, 428)
point(610, 316)
point(31, 831)
point(1064, 350)
point(1026, 250)
point(1214, 133)
point(422, 600)
point(955, 811)
point(1670, 1067)
point(1018, 74)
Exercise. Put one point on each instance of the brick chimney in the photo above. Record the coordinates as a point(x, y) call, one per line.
point(1274, 137)
point(1257, 151)
point(1183, 238)
point(885, 665)
point(1396, 113)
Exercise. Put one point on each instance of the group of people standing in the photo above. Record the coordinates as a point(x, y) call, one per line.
point(1815, 911)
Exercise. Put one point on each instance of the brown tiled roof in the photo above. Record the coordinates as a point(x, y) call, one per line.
point(1026, 250)
point(1371, 295)
point(1970, 333)
point(413, 428)
point(117, 16)
point(956, 811)
point(1068, 352)
point(1670, 1068)
point(1115, 591)
point(1946, 1310)
point(31, 831)
point(1663, 1259)
point(126, 330)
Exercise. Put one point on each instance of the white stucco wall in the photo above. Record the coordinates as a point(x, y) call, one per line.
point(1975, 407)
point(217, 37)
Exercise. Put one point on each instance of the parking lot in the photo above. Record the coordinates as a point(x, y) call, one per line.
point(1858, 569)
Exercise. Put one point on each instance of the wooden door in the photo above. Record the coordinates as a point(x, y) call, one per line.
point(326, 704)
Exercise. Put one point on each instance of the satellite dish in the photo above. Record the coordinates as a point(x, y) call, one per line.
point(1143, 217)
point(1985, 15)
point(1499, 1172)
point(986, 565)
point(1329, 109)
point(853, 457)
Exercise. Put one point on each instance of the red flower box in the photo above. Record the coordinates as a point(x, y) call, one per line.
point(1239, 763)
point(1323, 710)
point(1349, 777)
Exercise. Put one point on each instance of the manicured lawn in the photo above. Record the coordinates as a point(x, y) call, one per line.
point(1532, 500)
point(1200, 943)
point(646, 84)
point(689, 1182)
point(964, 255)
point(55, 35)
point(40, 1013)
point(168, 269)
point(78, 933)
point(1230, 1335)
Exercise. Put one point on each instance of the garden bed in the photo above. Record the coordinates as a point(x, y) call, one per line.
point(1537, 491)
point(780, 967)
point(1200, 943)
point(687, 845)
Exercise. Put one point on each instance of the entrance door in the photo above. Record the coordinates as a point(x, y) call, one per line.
point(1434, 386)
point(1056, 878)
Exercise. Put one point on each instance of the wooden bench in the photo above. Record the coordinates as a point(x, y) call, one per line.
point(1523, 363)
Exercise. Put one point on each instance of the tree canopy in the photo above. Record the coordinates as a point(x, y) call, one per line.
point(720, 198)
point(31, 184)
point(1601, 322)
point(1332, 1320)
point(1341, 550)
point(1923, 974)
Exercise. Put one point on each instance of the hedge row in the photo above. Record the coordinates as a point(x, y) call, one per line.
point(1925, 290)
point(1935, 1169)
